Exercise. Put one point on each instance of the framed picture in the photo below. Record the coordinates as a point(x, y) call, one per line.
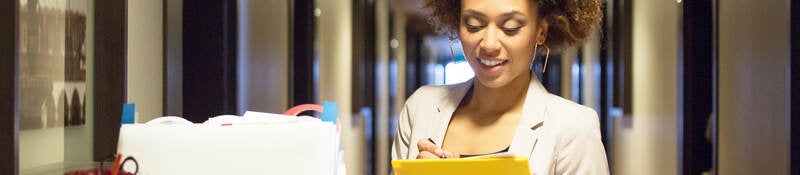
point(52, 63)
point(43, 83)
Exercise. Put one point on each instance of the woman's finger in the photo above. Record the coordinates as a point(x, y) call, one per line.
point(427, 155)
point(449, 154)
point(425, 145)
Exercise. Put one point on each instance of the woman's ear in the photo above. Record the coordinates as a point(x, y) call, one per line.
point(541, 36)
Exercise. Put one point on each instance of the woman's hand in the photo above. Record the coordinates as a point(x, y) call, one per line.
point(429, 150)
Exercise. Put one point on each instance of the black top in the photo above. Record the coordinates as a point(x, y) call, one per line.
point(466, 155)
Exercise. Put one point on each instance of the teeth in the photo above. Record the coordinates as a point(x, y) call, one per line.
point(490, 62)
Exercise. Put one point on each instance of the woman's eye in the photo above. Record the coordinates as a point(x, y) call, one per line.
point(473, 27)
point(473, 24)
point(511, 26)
point(511, 30)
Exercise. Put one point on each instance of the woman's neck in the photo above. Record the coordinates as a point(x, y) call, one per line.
point(487, 100)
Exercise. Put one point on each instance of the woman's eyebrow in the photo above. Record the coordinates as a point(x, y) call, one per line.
point(512, 13)
point(471, 12)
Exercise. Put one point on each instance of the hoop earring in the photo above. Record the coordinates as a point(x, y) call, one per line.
point(452, 53)
point(546, 57)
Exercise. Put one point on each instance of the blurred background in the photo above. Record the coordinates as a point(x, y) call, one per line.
point(681, 87)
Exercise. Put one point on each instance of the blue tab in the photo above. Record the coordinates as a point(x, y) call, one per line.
point(128, 113)
point(330, 111)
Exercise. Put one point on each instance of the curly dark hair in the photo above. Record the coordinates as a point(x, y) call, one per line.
point(570, 21)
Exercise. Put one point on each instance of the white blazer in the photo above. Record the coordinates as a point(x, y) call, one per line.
point(558, 136)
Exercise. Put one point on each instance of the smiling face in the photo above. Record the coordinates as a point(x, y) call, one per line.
point(498, 38)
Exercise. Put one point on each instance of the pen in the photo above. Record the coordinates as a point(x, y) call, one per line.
point(440, 156)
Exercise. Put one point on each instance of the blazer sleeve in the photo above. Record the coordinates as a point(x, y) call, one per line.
point(581, 151)
point(401, 142)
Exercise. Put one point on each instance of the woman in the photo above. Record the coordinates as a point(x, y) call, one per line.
point(505, 108)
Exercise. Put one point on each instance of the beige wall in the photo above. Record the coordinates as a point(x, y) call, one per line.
point(753, 98)
point(591, 80)
point(568, 58)
point(40, 147)
point(646, 142)
point(263, 55)
point(399, 25)
point(173, 92)
point(145, 62)
point(334, 39)
point(382, 73)
point(590, 57)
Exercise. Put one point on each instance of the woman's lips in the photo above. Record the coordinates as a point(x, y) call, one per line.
point(491, 67)
point(492, 62)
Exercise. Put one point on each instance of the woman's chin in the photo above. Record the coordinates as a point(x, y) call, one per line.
point(492, 82)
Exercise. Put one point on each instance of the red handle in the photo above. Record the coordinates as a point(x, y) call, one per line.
point(294, 111)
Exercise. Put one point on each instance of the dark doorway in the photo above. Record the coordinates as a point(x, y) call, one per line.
point(364, 75)
point(110, 51)
point(209, 70)
point(697, 88)
point(795, 88)
point(8, 87)
point(302, 80)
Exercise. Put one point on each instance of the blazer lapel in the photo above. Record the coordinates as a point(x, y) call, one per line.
point(447, 107)
point(529, 129)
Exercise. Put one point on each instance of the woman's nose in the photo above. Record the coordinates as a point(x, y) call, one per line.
point(490, 45)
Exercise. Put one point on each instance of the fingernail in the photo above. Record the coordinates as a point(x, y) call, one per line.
point(431, 140)
point(439, 151)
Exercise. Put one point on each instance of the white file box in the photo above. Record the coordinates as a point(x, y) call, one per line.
point(276, 144)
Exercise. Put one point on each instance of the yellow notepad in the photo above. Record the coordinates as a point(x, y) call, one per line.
point(485, 165)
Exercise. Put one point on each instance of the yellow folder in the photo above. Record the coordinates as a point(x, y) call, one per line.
point(505, 165)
